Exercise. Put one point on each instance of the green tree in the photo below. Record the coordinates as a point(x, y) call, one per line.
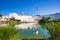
point(44, 19)
point(13, 19)
point(18, 21)
point(0, 18)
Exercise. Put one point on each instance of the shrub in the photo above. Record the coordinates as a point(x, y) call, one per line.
point(54, 29)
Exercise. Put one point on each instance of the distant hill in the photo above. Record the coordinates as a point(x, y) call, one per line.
point(53, 16)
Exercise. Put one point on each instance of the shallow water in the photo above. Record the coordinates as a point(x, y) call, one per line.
point(25, 32)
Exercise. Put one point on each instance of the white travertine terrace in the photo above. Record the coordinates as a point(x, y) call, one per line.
point(23, 18)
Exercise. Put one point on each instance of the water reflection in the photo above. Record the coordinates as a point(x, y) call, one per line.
point(25, 25)
point(28, 29)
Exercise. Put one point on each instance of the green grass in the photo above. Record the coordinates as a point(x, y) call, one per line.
point(32, 36)
point(54, 29)
point(7, 33)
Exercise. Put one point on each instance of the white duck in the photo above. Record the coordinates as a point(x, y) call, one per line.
point(36, 32)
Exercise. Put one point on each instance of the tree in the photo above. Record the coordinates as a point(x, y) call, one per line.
point(13, 19)
point(18, 21)
point(44, 19)
point(0, 15)
point(0, 18)
point(48, 18)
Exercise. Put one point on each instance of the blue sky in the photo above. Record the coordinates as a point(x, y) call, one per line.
point(29, 6)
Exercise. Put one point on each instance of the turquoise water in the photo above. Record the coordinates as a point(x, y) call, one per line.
point(29, 32)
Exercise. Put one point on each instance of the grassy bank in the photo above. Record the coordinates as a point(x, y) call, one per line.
point(54, 29)
point(7, 33)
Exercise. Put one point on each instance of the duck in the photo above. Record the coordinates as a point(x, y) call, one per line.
point(36, 32)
